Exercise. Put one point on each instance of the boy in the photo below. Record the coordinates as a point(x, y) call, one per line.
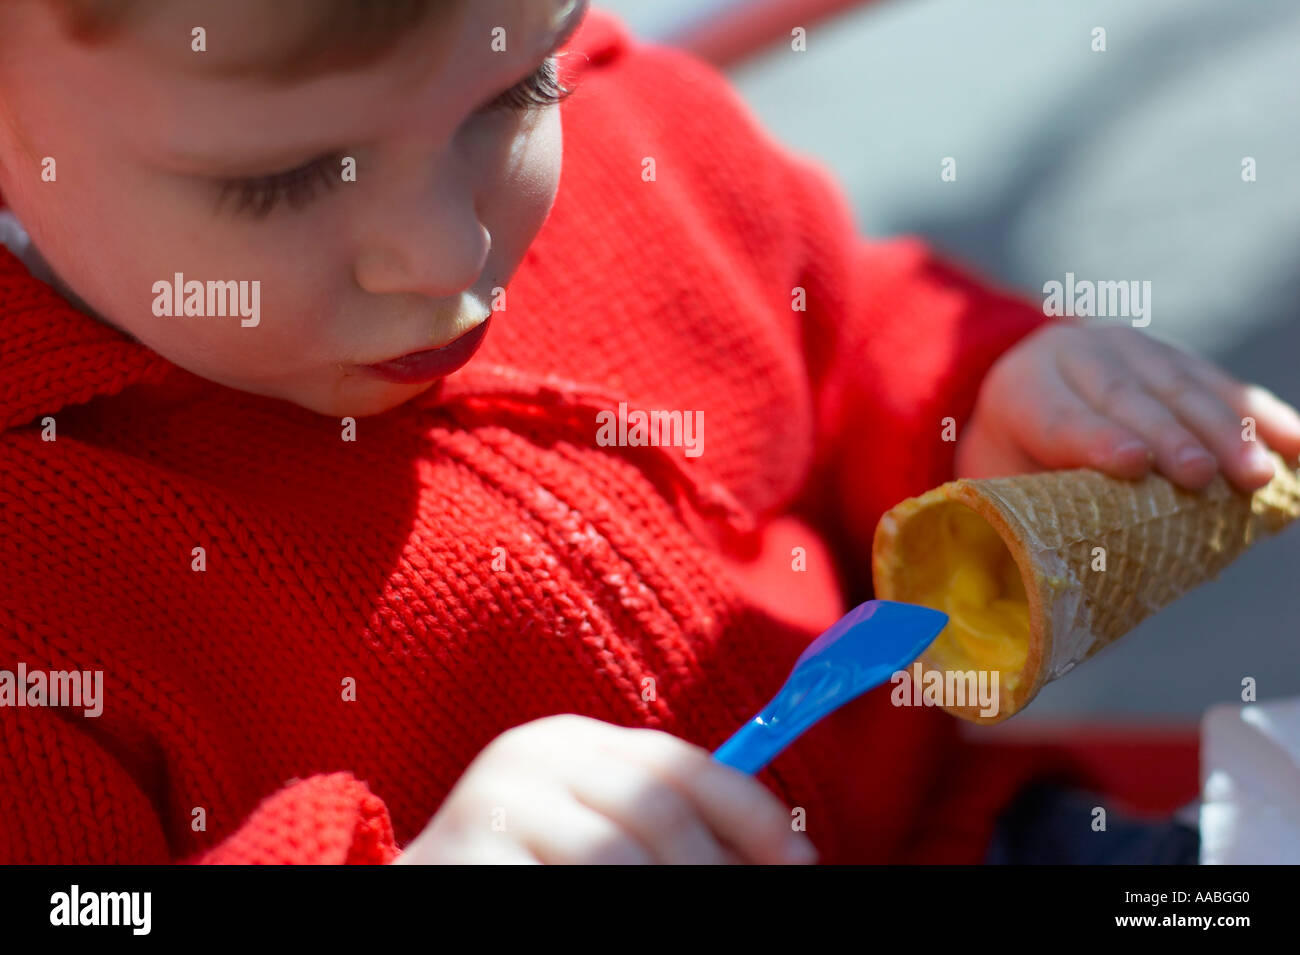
point(338, 587)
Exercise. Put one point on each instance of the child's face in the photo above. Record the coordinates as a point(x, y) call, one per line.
point(144, 131)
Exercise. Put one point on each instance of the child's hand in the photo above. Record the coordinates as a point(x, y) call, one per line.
point(1114, 400)
point(568, 789)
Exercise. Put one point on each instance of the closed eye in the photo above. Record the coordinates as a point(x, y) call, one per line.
point(258, 196)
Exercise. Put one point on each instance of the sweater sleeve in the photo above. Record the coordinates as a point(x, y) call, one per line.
point(896, 343)
point(65, 799)
point(323, 820)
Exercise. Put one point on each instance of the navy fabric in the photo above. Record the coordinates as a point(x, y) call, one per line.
point(1050, 825)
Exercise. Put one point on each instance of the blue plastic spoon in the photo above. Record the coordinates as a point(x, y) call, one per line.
point(862, 650)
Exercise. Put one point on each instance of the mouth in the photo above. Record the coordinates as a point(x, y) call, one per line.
point(431, 363)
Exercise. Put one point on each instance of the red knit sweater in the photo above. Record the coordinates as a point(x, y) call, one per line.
point(373, 561)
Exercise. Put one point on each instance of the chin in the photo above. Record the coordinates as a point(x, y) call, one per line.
point(361, 402)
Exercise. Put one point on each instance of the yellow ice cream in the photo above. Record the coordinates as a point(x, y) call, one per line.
point(957, 563)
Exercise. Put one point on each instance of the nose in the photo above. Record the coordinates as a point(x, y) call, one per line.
point(421, 234)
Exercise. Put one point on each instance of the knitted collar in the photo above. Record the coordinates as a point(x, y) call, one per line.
point(53, 356)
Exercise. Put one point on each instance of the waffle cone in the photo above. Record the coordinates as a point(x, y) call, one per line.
point(1158, 540)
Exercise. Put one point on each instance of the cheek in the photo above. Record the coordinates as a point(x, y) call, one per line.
point(519, 198)
point(103, 248)
point(110, 247)
point(93, 223)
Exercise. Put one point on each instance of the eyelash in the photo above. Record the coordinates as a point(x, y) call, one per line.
point(538, 91)
point(257, 196)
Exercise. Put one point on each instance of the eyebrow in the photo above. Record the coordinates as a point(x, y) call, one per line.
point(350, 36)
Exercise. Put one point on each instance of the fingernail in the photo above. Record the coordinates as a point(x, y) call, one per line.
point(799, 850)
point(1258, 460)
point(1131, 448)
point(1192, 455)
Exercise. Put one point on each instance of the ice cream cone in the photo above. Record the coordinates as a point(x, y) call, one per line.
point(1038, 572)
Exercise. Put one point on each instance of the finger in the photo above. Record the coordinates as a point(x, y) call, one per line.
point(730, 857)
point(484, 851)
point(502, 852)
point(1111, 388)
point(1061, 430)
point(598, 773)
point(1245, 463)
point(1276, 423)
point(450, 845)
point(1170, 375)
point(736, 807)
point(658, 815)
point(560, 830)
point(1180, 450)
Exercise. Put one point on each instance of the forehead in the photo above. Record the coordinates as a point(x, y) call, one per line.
point(151, 91)
point(257, 39)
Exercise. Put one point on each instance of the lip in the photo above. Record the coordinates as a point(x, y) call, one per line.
point(431, 363)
